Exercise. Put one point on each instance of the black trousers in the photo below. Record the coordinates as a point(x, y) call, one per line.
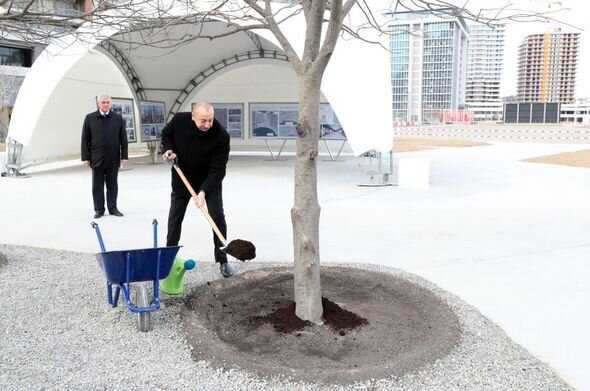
point(178, 203)
point(100, 177)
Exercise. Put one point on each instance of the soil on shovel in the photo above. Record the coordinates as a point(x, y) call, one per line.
point(241, 249)
point(376, 325)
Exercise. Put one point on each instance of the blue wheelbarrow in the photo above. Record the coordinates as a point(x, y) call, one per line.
point(122, 268)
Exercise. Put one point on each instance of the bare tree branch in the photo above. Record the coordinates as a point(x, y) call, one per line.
point(273, 26)
point(332, 34)
point(29, 21)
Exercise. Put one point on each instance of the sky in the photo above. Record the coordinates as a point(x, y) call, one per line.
point(571, 17)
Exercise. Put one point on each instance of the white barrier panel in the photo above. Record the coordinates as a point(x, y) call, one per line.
point(2, 162)
point(413, 173)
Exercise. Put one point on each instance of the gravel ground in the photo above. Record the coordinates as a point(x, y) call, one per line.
point(58, 332)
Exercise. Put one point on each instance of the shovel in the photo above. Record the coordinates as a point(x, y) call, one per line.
point(240, 249)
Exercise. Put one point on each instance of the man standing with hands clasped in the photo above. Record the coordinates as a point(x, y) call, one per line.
point(201, 146)
point(104, 149)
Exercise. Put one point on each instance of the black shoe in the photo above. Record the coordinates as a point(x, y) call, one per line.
point(226, 270)
point(98, 215)
point(116, 213)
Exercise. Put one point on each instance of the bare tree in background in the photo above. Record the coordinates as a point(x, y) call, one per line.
point(9, 86)
point(326, 21)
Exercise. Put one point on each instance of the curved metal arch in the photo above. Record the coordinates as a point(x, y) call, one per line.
point(117, 55)
point(255, 38)
point(226, 62)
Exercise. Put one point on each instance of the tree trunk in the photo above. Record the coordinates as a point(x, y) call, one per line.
point(305, 213)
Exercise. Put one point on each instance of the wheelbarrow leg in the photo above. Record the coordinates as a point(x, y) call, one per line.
point(110, 293)
point(112, 302)
point(117, 291)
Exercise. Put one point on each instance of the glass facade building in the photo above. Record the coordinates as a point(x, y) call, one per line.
point(428, 65)
point(400, 52)
point(437, 69)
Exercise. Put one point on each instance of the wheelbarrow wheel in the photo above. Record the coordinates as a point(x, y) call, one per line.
point(144, 319)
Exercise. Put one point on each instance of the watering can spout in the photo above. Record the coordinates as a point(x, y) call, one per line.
point(174, 283)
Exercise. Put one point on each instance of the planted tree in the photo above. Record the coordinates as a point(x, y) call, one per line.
point(326, 22)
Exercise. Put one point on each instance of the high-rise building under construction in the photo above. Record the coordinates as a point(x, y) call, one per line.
point(547, 67)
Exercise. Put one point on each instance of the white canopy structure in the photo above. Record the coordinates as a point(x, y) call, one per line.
point(62, 83)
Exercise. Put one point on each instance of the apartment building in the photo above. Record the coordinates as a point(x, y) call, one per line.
point(547, 65)
point(485, 61)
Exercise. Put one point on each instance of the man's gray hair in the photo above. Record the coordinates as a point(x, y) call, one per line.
point(204, 104)
point(100, 96)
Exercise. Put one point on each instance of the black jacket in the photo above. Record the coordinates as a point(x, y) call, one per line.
point(104, 140)
point(202, 156)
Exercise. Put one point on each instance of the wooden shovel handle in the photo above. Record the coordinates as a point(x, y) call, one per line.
point(194, 194)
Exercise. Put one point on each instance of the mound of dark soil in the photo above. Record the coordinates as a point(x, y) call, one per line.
point(376, 325)
point(284, 319)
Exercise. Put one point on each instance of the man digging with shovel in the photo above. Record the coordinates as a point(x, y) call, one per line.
point(199, 144)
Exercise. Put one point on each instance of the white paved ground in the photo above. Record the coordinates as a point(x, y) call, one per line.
point(508, 237)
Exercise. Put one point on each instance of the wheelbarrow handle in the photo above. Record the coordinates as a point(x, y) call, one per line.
point(172, 162)
point(155, 225)
point(98, 235)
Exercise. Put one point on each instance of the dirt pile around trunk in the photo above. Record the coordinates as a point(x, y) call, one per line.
point(398, 327)
point(284, 319)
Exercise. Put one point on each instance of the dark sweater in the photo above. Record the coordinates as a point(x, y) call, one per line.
point(202, 156)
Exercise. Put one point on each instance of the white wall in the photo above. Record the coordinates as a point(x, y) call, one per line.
point(95, 73)
point(72, 99)
point(274, 82)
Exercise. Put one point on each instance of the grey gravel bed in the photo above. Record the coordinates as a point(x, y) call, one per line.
point(57, 331)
